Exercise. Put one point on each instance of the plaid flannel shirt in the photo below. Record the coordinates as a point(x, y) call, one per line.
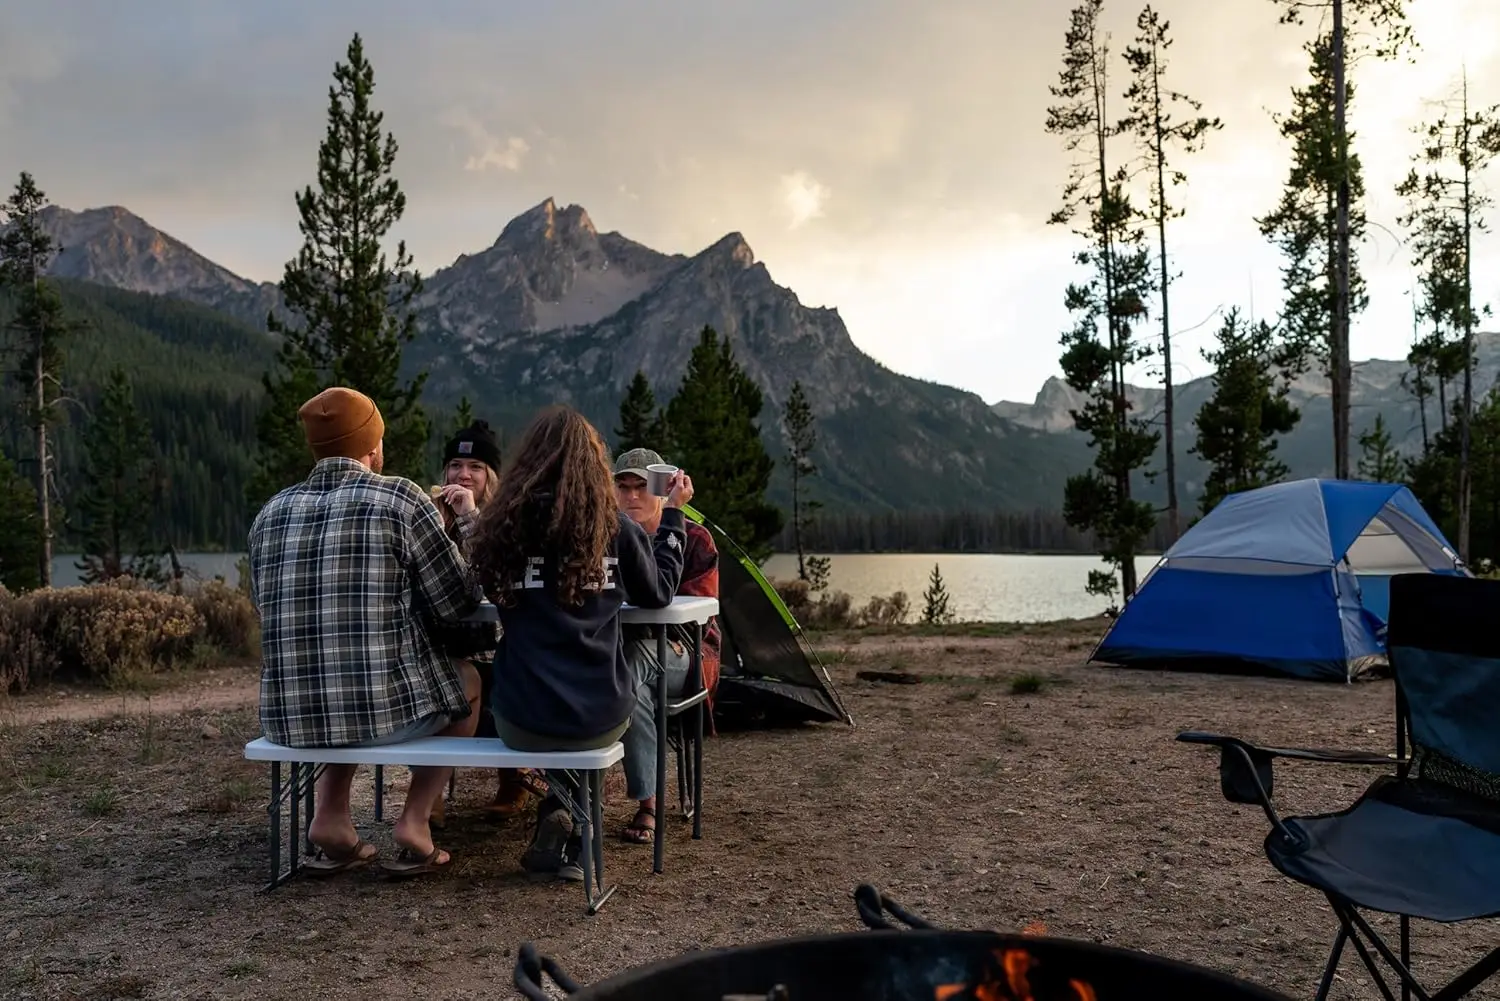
point(349, 571)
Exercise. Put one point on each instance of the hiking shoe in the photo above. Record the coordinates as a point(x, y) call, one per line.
point(548, 847)
point(570, 868)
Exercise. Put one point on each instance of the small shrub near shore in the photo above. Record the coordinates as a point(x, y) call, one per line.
point(120, 632)
point(835, 609)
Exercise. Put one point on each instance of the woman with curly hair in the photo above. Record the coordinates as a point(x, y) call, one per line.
point(558, 559)
point(471, 478)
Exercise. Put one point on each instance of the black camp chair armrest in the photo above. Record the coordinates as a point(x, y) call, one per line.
point(1322, 754)
point(1245, 774)
point(683, 705)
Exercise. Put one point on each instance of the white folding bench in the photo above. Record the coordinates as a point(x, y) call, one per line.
point(455, 752)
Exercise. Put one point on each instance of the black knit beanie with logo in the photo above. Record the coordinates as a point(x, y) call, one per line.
point(476, 441)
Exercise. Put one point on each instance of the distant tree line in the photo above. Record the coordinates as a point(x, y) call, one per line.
point(949, 532)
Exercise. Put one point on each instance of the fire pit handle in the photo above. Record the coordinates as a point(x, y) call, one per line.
point(874, 905)
point(530, 969)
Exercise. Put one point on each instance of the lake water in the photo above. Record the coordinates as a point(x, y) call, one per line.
point(981, 587)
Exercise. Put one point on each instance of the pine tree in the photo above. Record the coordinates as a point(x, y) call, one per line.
point(25, 253)
point(642, 423)
point(935, 610)
point(352, 305)
point(1238, 426)
point(1378, 460)
point(800, 431)
point(1380, 26)
point(20, 531)
point(282, 455)
point(117, 515)
point(716, 440)
point(1445, 210)
point(463, 417)
point(1157, 131)
point(1322, 282)
point(1101, 500)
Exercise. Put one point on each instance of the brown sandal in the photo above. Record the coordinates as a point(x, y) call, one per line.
point(409, 863)
point(639, 831)
point(331, 861)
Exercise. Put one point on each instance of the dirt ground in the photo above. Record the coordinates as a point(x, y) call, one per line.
point(132, 851)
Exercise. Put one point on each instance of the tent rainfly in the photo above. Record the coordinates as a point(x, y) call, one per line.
point(1291, 578)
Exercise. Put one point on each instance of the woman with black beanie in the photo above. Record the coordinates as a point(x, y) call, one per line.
point(471, 477)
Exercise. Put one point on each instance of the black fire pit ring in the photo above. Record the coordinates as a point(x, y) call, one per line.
point(891, 964)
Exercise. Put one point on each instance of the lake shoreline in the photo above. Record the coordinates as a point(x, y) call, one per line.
point(982, 587)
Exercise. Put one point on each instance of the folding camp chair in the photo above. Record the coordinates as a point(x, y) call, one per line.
point(1425, 842)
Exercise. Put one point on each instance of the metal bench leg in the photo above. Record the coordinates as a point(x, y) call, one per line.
point(379, 793)
point(294, 805)
point(590, 797)
point(273, 812)
point(597, 778)
point(313, 771)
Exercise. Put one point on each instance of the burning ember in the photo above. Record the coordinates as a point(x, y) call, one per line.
point(1010, 980)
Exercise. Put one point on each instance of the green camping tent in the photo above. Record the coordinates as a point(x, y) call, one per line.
point(769, 669)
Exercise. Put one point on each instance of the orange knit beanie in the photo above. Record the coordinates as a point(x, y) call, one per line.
point(342, 422)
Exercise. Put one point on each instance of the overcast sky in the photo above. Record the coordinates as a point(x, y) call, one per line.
point(884, 157)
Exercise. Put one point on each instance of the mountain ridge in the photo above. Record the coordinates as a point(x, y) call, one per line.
point(553, 310)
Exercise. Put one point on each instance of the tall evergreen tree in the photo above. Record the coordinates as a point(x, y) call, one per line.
point(20, 531)
point(643, 424)
point(717, 441)
point(1380, 27)
point(40, 326)
point(1238, 426)
point(800, 431)
point(351, 304)
point(1445, 209)
point(1158, 131)
point(1114, 297)
point(1322, 282)
point(117, 512)
point(1378, 461)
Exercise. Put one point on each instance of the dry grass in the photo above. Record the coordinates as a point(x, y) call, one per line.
point(132, 848)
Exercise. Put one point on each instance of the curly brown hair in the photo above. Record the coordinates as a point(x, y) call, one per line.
point(556, 500)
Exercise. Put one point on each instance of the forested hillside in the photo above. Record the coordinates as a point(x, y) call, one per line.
point(196, 374)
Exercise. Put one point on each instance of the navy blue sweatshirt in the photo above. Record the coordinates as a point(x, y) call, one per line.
point(560, 670)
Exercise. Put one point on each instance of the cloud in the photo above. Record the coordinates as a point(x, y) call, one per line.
point(802, 196)
point(487, 150)
point(881, 156)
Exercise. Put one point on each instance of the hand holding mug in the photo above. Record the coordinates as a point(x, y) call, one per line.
point(681, 491)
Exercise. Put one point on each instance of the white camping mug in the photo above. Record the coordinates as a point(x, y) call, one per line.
point(659, 478)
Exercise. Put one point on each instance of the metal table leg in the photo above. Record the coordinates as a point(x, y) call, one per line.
point(659, 837)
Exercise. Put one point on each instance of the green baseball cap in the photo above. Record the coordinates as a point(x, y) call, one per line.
point(635, 461)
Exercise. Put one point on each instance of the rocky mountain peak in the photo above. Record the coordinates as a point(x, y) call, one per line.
point(732, 248)
point(545, 224)
point(113, 246)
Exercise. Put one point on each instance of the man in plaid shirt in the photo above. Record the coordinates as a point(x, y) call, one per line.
point(349, 571)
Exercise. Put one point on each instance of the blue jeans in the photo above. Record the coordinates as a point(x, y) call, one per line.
point(640, 739)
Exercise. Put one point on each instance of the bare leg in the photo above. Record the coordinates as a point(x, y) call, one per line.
point(413, 830)
point(332, 826)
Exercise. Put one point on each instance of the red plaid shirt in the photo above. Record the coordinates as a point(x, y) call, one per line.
point(700, 578)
